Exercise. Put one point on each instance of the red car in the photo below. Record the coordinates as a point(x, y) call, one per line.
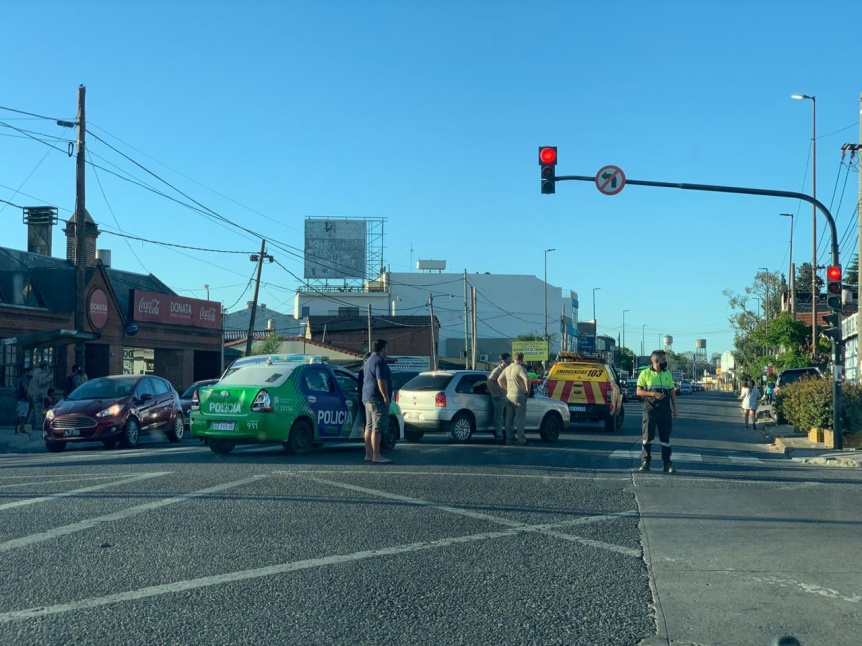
point(115, 409)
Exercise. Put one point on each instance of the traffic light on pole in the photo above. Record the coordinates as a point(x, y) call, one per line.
point(833, 327)
point(833, 287)
point(547, 162)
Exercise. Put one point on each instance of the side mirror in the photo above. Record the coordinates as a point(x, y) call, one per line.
point(145, 397)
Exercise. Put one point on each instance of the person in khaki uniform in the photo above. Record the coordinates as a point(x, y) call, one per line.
point(517, 384)
point(498, 397)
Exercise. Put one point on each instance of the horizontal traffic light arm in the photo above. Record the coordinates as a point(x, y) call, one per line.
point(730, 189)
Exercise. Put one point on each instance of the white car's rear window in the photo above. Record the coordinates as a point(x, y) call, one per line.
point(257, 375)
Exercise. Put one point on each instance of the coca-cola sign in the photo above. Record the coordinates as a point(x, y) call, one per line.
point(97, 309)
point(176, 310)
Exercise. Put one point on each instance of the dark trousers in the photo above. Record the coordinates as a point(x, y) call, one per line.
point(662, 420)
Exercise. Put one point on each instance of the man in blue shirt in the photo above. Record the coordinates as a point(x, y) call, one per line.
point(376, 388)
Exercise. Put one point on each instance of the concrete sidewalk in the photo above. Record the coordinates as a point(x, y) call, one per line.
point(799, 448)
point(11, 443)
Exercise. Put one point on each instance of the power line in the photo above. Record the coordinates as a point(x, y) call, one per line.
point(30, 114)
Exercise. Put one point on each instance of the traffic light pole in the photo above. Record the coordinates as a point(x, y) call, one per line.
point(837, 362)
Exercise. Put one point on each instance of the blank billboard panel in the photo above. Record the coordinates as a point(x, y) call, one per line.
point(335, 248)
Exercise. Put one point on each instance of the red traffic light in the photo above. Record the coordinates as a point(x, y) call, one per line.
point(833, 273)
point(548, 155)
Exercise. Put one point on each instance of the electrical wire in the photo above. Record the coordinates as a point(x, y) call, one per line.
point(32, 114)
point(178, 246)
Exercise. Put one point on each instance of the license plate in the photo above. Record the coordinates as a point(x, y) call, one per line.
point(71, 432)
point(223, 426)
point(578, 409)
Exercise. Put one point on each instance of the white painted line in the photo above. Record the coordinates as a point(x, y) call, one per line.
point(119, 515)
point(611, 547)
point(624, 454)
point(682, 456)
point(31, 483)
point(391, 472)
point(798, 485)
point(72, 476)
point(488, 517)
point(742, 459)
point(283, 568)
point(75, 492)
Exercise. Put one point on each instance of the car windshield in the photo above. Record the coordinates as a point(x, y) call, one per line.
point(256, 375)
point(428, 381)
point(103, 389)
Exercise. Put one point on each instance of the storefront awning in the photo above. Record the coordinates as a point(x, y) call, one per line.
point(51, 337)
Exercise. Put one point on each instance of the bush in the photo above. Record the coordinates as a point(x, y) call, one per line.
point(807, 404)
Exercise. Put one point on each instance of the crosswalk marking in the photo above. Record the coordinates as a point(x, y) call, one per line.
point(686, 456)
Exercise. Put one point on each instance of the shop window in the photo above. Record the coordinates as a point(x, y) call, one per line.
point(139, 361)
point(9, 368)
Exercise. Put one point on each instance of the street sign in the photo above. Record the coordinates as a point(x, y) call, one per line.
point(610, 180)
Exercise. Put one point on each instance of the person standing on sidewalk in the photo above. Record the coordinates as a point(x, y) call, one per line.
point(38, 390)
point(22, 395)
point(656, 389)
point(517, 384)
point(750, 396)
point(498, 397)
point(376, 390)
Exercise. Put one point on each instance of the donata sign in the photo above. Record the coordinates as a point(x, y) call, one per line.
point(175, 310)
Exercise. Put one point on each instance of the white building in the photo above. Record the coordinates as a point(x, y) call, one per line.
point(507, 306)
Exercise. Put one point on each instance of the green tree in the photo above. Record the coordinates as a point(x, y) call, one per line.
point(851, 274)
point(625, 360)
point(803, 279)
point(269, 345)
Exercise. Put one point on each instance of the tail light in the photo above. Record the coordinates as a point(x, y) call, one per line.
point(262, 403)
point(196, 400)
point(610, 395)
point(440, 400)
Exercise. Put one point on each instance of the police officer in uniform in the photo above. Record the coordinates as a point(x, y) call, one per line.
point(656, 389)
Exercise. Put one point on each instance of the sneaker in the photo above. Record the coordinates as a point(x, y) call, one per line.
point(644, 466)
point(669, 468)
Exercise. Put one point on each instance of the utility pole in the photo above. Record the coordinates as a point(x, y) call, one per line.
point(369, 327)
point(433, 345)
point(466, 331)
point(475, 316)
point(80, 223)
point(259, 258)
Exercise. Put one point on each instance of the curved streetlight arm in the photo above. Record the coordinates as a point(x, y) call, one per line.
point(733, 189)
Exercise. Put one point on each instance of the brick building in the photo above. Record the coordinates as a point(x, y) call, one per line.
point(134, 324)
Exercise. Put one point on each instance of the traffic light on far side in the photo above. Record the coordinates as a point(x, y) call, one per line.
point(547, 162)
point(833, 329)
point(833, 287)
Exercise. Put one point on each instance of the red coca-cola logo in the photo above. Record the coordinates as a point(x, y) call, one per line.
point(98, 309)
point(208, 314)
point(149, 306)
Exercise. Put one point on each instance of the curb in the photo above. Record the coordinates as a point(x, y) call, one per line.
point(829, 461)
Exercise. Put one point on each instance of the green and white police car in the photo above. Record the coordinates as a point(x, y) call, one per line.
point(300, 401)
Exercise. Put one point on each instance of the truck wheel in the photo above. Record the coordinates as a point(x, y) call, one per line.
point(621, 417)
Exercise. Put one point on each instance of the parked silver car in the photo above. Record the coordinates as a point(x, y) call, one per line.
point(457, 402)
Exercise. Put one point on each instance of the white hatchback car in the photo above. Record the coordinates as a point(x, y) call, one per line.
point(457, 402)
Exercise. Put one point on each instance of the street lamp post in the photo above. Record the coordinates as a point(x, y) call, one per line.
point(546, 295)
point(766, 304)
point(813, 217)
point(207, 287)
point(624, 327)
point(595, 323)
point(790, 277)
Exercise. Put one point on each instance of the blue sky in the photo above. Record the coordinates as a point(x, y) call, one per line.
point(429, 114)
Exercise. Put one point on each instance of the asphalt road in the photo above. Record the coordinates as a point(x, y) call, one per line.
point(474, 544)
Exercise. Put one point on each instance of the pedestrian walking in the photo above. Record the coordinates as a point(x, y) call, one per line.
point(498, 397)
point(750, 395)
point(656, 388)
point(516, 382)
point(22, 397)
point(770, 391)
point(38, 390)
point(376, 391)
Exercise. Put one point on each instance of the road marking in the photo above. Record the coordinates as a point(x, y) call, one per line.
point(743, 458)
point(390, 472)
point(71, 475)
point(798, 485)
point(283, 568)
point(805, 587)
point(619, 549)
point(488, 517)
point(44, 482)
point(75, 492)
point(119, 515)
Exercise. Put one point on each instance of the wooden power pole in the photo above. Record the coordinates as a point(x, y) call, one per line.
point(80, 224)
point(251, 318)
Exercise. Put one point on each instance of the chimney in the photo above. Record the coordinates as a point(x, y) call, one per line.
point(249, 304)
point(262, 306)
point(270, 324)
point(105, 256)
point(91, 232)
point(40, 221)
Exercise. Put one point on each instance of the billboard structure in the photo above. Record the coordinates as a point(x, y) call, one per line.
point(336, 248)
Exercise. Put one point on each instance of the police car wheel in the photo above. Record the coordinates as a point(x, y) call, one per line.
point(551, 427)
point(390, 437)
point(460, 428)
point(220, 446)
point(300, 440)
